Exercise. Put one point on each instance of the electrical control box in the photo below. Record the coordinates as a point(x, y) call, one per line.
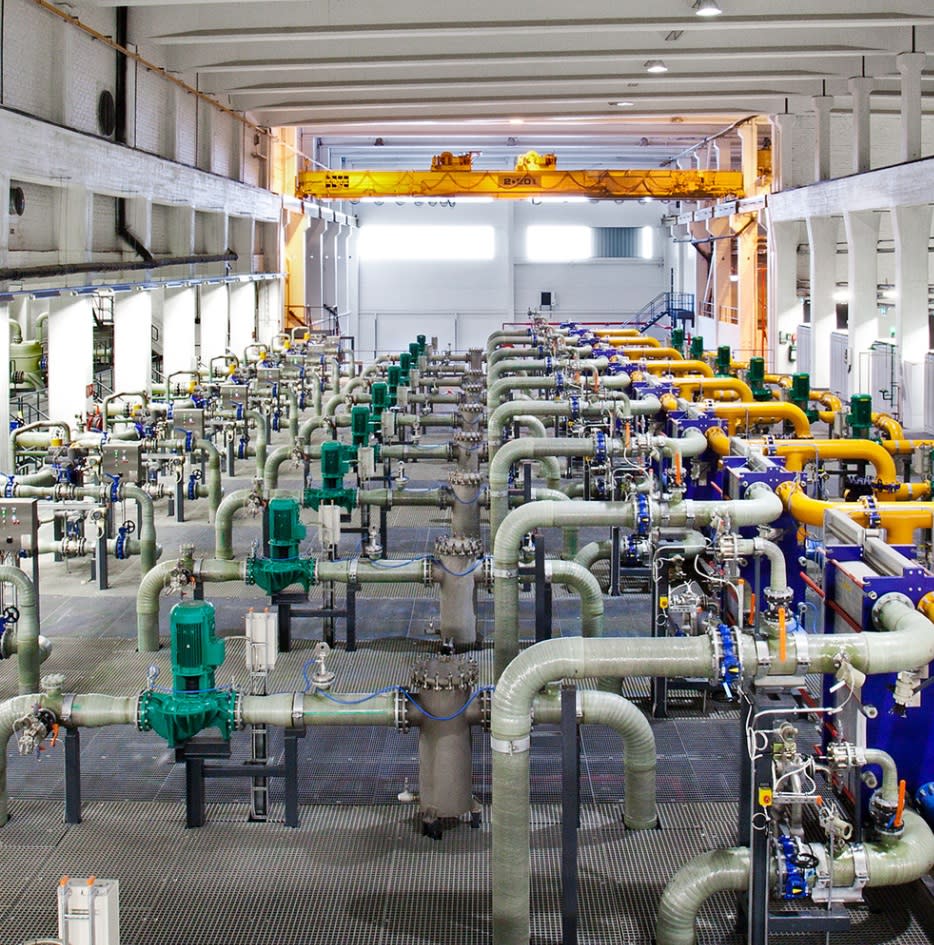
point(123, 459)
point(19, 526)
point(262, 640)
point(89, 911)
point(187, 420)
point(232, 395)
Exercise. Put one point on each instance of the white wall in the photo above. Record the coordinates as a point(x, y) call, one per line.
point(462, 302)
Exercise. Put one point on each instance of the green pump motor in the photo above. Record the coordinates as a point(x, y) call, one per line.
point(697, 348)
point(360, 425)
point(194, 702)
point(379, 400)
point(860, 417)
point(724, 357)
point(405, 366)
point(755, 378)
point(422, 343)
point(286, 531)
point(394, 378)
point(677, 340)
point(800, 394)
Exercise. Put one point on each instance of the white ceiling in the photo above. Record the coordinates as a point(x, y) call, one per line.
point(502, 78)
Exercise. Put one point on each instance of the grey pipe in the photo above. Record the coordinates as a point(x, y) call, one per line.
point(38, 425)
point(292, 398)
point(147, 528)
point(223, 522)
point(588, 588)
point(28, 657)
point(152, 585)
point(260, 421)
point(540, 365)
point(639, 755)
point(889, 862)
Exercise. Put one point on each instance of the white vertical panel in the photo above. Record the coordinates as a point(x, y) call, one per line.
point(804, 363)
point(839, 363)
point(884, 374)
point(71, 358)
point(270, 310)
point(5, 316)
point(178, 330)
point(133, 342)
point(242, 316)
point(214, 323)
point(928, 411)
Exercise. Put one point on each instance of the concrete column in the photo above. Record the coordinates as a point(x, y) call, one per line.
point(181, 234)
point(749, 159)
point(861, 89)
point(71, 358)
point(343, 238)
point(352, 325)
point(5, 316)
point(214, 322)
point(178, 330)
point(269, 315)
point(171, 137)
point(822, 236)
point(133, 341)
point(911, 65)
point(911, 227)
point(723, 290)
point(205, 135)
point(242, 316)
point(751, 340)
point(314, 270)
point(821, 105)
point(783, 130)
point(74, 224)
point(784, 304)
point(715, 156)
point(862, 238)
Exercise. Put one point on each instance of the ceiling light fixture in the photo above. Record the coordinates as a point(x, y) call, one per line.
point(706, 8)
point(655, 65)
point(623, 104)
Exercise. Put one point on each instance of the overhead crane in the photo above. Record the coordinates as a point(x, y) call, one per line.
point(535, 175)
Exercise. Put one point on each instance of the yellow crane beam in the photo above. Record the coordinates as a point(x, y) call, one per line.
point(441, 184)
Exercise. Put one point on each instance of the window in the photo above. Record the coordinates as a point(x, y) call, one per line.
point(624, 242)
point(416, 243)
point(559, 243)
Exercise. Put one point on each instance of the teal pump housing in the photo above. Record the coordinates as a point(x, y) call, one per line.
point(284, 566)
point(194, 703)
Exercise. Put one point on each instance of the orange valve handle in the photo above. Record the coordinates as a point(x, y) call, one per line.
point(627, 435)
point(752, 608)
point(676, 456)
point(782, 636)
point(900, 810)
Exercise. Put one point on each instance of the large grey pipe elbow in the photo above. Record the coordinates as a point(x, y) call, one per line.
point(147, 529)
point(27, 646)
point(588, 589)
point(223, 522)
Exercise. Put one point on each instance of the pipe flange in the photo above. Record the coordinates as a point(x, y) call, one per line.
point(444, 672)
point(456, 547)
point(427, 572)
point(236, 712)
point(400, 711)
point(460, 477)
point(473, 407)
point(468, 437)
point(802, 651)
point(884, 601)
point(298, 710)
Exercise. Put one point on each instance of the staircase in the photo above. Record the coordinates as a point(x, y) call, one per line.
point(676, 306)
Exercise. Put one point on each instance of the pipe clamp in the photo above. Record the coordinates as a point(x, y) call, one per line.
point(352, 572)
point(802, 651)
point(511, 747)
point(68, 703)
point(505, 573)
point(298, 710)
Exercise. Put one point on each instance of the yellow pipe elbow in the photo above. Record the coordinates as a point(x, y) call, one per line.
point(765, 412)
point(798, 453)
point(669, 402)
point(718, 441)
point(892, 429)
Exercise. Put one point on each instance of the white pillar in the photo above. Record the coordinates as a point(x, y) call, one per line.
point(352, 324)
point(822, 236)
point(5, 464)
point(242, 316)
point(269, 315)
point(784, 305)
point(75, 224)
point(911, 227)
point(749, 154)
point(862, 238)
point(178, 330)
point(329, 281)
point(343, 239)
point(722, 289)
point(783, 132)
point(214, 322)
point(861, 89)
point(71, 358)
point(133, 342)
point(821, 105)
point(910, 65)
point(314, 270)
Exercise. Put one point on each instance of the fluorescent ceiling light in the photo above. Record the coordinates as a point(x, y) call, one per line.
point(707, 8)
point(516, 121)
point(842, 295)
point(655, 65)
point(734, 277)
point(623, 104)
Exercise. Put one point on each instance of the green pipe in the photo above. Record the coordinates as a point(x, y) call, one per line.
point(439, 498)
point(498, 390)
point(292, 398)
point(27, 628)
point(760, 506)
point(260, 421)
point(372, 572)
point(319, 710)
point(408, 453)
point(639, 756)
point(223, 522)
point(105, 408)
point(147, 527)
point(889, 861)
point(215, 490)
point(692, 544)
point(152, 585)
point(275, 459)
point(48, 425)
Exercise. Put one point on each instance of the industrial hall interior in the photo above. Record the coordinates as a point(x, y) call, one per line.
point(467, 472)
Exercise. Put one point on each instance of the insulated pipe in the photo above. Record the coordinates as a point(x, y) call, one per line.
point(746, 413)
point(889, 861)
point(627, 336)
point(152, 585)
point(760, 507)
point(498, 390)
point(688, 386)
point(542, 365)
point(28, 657)
point(49, 425)
point(639, 756)
point(147, 527)
point(579, 579)
point(223, 522)
point(122, 395)
point(680, 367)
point(778, 576)
point(899, 519)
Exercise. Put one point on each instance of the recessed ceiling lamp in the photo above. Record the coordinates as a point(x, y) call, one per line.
point(516, 121)
point(655, 65)
point(706, 8)
point(623, 104)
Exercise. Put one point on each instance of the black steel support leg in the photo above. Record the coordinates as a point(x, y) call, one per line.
point(291, 776)
point(351, 607)
point(614, 562)
point(285, 627)
point(570, 811)
point(194, 792)
point(72, 776)
point(542, 593)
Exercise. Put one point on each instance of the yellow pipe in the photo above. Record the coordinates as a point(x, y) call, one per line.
point(640, 351)
point(627, 335)
point(831, 401)
point(738, 414)
point(899, 519)
point(783, 380)
point(688, 385)
point(719, 441)
point(926, 606)
point(907, 446)
point(892, 429)
point(680, 367)
point(798, 453)
point(669, 402)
